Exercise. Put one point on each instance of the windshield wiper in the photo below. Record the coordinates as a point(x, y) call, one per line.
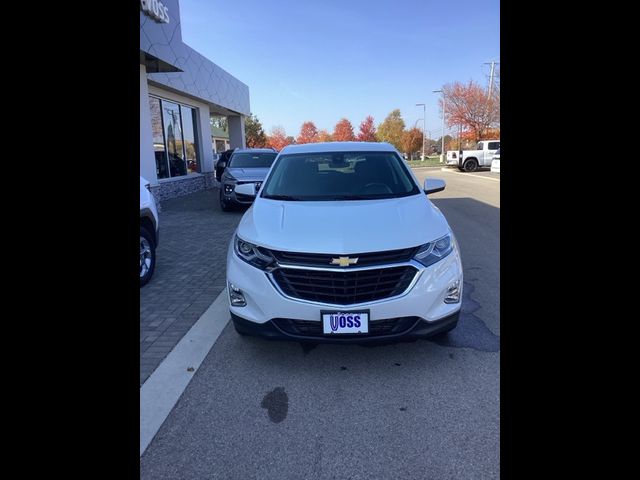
point(281, 197)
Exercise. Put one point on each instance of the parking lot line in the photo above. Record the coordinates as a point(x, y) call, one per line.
point(161, 391)
point(445, 169)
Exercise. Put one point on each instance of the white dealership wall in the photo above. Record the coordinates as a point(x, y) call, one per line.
point(147, 157)
point(172, 70)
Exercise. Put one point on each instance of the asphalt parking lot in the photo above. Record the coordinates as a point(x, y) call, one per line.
point(280, 410)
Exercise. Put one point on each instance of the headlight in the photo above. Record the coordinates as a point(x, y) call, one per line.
point(433, 252)
point(252, 254)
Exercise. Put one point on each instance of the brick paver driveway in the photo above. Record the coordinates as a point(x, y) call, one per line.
point(189, 275)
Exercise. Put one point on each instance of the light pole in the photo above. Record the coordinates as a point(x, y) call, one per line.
point(424, 125)
point(415, 125)
point(442, 148)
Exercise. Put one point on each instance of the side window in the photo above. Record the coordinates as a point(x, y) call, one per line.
point(494, 145)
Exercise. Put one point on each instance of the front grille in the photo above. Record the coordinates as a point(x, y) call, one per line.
point(304, 328)
point(364, 259)
point(344, 287)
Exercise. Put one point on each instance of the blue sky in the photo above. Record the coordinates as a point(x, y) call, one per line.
point(327, 59)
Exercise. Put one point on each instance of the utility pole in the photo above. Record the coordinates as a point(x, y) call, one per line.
point(424, 125)
point(493, 65)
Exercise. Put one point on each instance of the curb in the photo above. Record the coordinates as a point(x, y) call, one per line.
point(161, 391)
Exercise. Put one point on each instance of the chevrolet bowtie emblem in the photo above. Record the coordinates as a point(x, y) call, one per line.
point(344, 261)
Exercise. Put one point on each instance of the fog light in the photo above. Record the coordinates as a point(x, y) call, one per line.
point(228, 189)
point(453, 293)
point(236, 297)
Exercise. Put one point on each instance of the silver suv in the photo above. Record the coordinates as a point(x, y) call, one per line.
point(246, 165)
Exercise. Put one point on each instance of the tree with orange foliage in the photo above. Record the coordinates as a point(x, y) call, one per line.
point(367, 131)
point(343, 131)
point(411, 141)
point(278, 138)
point(491, 134)
point(471, 108)
point(308, 133)
point(324, 136)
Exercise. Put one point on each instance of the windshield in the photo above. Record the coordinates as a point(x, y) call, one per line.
point(252, 160)
point(339, 176)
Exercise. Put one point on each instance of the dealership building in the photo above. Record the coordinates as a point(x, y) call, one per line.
point(190, 108)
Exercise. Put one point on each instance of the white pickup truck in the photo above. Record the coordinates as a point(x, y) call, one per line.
point(471, 160)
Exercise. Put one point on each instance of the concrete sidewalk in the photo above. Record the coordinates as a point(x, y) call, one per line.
point(189, 275)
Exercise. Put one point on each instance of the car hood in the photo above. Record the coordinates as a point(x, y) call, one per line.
point(248, 173)
point(342, 227)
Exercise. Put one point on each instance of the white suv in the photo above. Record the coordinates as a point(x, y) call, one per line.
point(149, 232)
point(343, 245)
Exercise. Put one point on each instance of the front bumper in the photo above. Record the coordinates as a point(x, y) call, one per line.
point(273, 330)
point(235, 199)
point(424, 300)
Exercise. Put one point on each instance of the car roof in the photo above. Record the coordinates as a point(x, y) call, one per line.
point(339, 147)
point(254, 150)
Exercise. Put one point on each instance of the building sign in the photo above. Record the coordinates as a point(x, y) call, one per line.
point(155, 10)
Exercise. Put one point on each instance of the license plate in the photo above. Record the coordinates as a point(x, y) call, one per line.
point(345, 322)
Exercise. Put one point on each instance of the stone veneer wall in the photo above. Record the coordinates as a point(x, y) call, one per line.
point(184, 186)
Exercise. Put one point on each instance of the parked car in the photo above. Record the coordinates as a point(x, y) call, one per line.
point(245, 166)
point(471, 160)
point(495, 163)
point(221, 163)
point(149, 232)
point(342, 244)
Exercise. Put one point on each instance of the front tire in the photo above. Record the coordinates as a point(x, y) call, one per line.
point(471, 165)
point(147, 256)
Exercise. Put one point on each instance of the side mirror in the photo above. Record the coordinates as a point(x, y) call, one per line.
point(246, 189)
point(222, 164)
point(433, 185)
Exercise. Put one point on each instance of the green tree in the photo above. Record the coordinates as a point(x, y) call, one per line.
point(254, 132)
point(391, 129)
